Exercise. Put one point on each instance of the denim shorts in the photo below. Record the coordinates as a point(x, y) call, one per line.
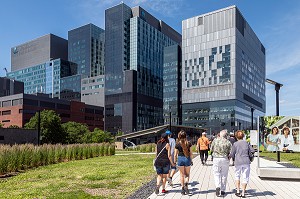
point(183, 161)
point(163, 170)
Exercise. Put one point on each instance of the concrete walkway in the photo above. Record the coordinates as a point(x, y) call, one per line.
point(202, 184)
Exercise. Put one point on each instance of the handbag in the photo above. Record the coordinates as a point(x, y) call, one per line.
point(251, 155)
point(154, 160)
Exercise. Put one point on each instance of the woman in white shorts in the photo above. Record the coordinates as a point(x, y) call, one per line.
point(241, 153)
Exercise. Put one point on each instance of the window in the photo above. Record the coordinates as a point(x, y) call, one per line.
point(227, 48)
point(200, 21)
point(6, 112)
point(214, 51)
point(6, 103)
point(15, 102)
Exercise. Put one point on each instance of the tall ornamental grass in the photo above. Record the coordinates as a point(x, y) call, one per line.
point(143, 148)
point(21, 157)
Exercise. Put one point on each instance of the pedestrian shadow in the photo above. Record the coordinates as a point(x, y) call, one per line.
point(203, 192)
point(254, 193)
point(191, 184)
point(194, 183)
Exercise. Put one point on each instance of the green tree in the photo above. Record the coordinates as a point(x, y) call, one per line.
point(51, 129)
point(270, 120)
point(97, 136)
point(119, 133)
point(75, 132)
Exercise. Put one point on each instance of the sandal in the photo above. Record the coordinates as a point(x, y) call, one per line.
point(238, 194)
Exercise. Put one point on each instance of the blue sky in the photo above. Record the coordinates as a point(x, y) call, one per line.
point(276, 23)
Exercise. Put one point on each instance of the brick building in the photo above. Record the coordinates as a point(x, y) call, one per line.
point(18, 109)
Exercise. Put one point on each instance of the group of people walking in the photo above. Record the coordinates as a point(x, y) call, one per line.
point(170, 153)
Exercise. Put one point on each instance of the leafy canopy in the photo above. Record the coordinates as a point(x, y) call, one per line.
point(51, 129)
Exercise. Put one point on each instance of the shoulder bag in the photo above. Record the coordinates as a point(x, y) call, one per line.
point(154, 160)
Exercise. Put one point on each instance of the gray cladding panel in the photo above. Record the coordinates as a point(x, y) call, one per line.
point(38, 51)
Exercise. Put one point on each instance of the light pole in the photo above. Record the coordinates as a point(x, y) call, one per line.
point(170, 124)
point(39, 126)
point(252, 111)
point(277, 88)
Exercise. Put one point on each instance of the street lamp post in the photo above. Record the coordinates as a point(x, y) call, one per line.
point(277, 88)
point(170, 122)
point(252, 111)
point(39, 127)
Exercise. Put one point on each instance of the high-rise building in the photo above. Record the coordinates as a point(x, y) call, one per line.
point(223, 71)
point(86, 48)
point(134, 49)
point(172, 85)
point(38, 51)
point(10, 87)
point(46, 78)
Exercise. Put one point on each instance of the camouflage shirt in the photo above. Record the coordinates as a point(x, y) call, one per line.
point(221, 147)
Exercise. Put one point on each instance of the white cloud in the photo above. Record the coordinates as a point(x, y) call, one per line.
point(168, 8)
point(93, 10)
point(282, 43)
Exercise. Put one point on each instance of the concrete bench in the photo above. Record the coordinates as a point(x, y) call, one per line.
point(279, 173)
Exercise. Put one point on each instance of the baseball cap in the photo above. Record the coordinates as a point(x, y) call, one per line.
point(231, 133)
point(164, 135)
point(168, 132)
point(203, 133)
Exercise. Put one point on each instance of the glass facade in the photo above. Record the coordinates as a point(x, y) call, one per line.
point(46, 77)
point(70, 87)
point(218, 115)
point(223, 71)
point(116, 44)
point(86, 48)
point(172, 85)
point(134, 68)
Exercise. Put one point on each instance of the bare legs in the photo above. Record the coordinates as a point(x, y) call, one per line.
point(244, 186)
point(163, 178)
point(184, 177)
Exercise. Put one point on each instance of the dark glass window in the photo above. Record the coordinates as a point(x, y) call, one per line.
point(30, 102)
point(8, 112)
point(200, 21)
point(47, 104)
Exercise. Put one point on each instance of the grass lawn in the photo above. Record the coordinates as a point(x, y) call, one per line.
point(126, 152)
point(293, 158)
point(101, 177)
